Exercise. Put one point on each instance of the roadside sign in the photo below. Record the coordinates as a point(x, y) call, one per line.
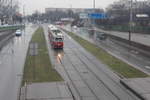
point(83, 15)
point(97, 16)
point(142, 15)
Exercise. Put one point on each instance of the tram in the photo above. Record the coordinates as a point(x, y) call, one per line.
point(56, 37)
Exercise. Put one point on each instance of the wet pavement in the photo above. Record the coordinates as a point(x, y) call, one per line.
point(136, 37)
point(138, 85)
point(12, 58)
point(5, 33)
point(87, 77)
point(5, 36)
point(117, 49)
point(46, 91)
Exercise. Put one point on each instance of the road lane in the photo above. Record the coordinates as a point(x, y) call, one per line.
point(12, 58)
point(136, 37)
point(90, 79)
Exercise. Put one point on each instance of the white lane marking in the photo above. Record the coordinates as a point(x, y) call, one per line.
point(148, 67)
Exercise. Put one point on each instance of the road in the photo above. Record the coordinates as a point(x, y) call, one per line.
point(136, 37)
point(117, 49)
point(12, 58)
point(86, 76)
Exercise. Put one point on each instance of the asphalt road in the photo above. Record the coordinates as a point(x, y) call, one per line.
point(12, 58)
point(136, 37)
point(4, 34)
point(87, 77)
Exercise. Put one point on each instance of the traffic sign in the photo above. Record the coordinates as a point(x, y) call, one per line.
point(97, 16)
point(83, 15)
point(142, 15)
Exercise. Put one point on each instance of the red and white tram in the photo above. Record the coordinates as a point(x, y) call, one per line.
point(56, 37)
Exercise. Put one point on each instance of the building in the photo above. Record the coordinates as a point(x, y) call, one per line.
point(75, 10)
point(127, 4)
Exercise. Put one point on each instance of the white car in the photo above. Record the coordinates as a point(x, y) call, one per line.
point(18, 32)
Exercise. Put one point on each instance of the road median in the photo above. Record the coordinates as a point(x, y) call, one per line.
point(38, 67)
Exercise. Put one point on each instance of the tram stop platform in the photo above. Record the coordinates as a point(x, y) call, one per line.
point(46, 91)
point(139, 86)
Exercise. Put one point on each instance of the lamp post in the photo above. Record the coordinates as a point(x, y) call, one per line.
point(94, 4)
point(131, 20)
point(24, 16)
point(11, 15)
point(93, 20)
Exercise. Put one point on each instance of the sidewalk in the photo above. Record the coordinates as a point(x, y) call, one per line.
point(140, 86)
point(46, 91)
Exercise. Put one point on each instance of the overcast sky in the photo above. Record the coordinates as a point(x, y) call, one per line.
point(32, 5)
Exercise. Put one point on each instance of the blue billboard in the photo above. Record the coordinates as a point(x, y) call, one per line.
point(97, 15)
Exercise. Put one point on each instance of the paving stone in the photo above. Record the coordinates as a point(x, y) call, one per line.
point(44, 90)
point(79, 84)
point(141, 86)
point(74, 76)
point(48, 91)
point(85, 92)
point(89, 98)
point(64, 91)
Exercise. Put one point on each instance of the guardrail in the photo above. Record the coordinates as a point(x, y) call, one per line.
point(10, 27)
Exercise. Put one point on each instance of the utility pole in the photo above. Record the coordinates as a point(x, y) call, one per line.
point(131, 20)
point(93, 20)
point(94, 4)
point(24, 18)
point(11, 16)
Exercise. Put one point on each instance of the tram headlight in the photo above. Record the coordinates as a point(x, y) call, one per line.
point(59, 55)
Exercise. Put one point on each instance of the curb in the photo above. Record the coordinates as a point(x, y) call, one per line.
point(132, 90)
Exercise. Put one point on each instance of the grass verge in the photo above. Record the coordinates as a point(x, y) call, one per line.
point(38, 68)
point(115, 64)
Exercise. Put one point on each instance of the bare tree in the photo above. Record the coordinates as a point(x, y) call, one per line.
point(8, 9)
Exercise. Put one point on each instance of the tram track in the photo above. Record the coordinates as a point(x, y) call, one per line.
point(101, 82)
point(72, 83)
point(104, 83)
point(98, 78)
point(84, 80)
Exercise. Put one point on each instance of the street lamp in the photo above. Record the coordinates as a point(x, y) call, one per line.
point(131, 20)
point(94, 4)
point(24, 16)
point(11, 16)
point(93, 12)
